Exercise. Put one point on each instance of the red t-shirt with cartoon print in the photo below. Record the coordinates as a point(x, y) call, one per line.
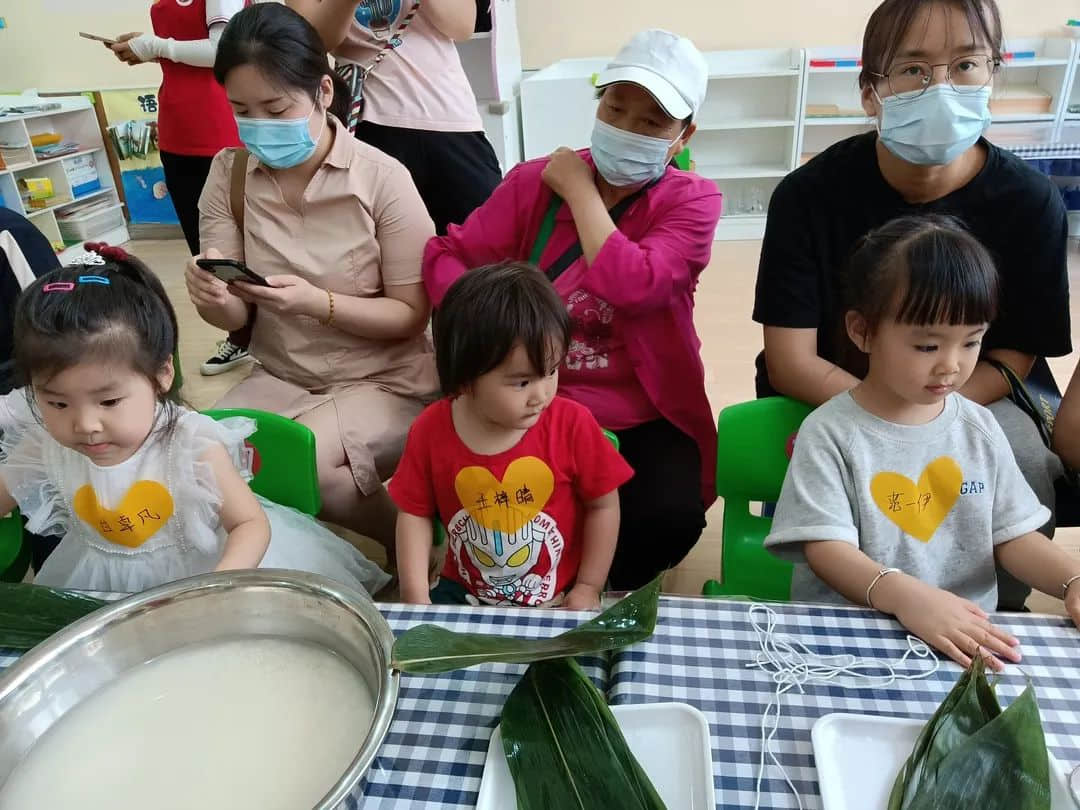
point(513, 520)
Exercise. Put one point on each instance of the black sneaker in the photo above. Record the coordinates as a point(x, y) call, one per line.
point(228, 356)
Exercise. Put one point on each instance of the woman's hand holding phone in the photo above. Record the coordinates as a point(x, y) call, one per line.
point(285, 295)
point(123, 50)
point(230, 271)
point(204, 289)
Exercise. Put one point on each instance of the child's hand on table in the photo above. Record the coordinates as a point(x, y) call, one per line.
point(582, 597)
point(955, 626)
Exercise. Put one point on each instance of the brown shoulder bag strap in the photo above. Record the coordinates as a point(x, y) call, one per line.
point(237, 182)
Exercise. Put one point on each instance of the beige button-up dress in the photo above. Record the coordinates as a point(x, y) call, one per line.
point(361, 228)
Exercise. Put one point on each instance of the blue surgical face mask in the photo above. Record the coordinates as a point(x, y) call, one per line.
point(935, 128)
point(279, 143)
point(626, 158)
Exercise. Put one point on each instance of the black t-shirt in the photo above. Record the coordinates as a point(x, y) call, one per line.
point(820, 210)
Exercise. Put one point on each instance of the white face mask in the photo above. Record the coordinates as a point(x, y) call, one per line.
point(935, 128)
point(626, 158)
point(281, 143)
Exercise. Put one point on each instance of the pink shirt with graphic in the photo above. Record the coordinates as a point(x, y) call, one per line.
point(420, 83)
point(598, 371)
point(514, 520)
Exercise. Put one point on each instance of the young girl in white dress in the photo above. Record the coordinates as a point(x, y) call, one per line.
point(142, 490)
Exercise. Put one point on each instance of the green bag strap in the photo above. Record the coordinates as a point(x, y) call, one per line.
point(546, 227)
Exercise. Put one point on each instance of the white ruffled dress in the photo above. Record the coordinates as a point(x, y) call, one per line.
point(155, 517)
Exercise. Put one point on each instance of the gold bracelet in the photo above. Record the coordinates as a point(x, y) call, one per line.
point(1068, 582)
point(883, 572)
point(330, 317)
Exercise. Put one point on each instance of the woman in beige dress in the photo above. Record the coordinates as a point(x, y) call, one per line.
point(337, 228)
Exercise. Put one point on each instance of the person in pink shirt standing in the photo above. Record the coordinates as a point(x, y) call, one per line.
point(624, 236)
point(411, 97)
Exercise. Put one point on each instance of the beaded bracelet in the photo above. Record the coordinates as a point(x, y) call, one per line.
point(330, 317)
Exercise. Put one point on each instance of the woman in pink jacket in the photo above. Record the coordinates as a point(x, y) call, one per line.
point(624, 236)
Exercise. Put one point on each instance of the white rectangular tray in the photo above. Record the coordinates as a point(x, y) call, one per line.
point(859, 755)
point(670, 740)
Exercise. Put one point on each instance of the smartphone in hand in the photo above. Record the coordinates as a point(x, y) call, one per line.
point(230, 270)
point(97, 38)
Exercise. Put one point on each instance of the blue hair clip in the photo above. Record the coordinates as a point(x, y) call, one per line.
point(93, 280)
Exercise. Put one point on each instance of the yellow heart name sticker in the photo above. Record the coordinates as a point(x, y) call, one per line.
point(506, 505)
point(919, 508)
point(144, 509)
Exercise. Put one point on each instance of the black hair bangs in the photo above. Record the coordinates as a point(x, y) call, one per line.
point(949, 281)
point(56, 352)
point(489, 311)
point(893, 19)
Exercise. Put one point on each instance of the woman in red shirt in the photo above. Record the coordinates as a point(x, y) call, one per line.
point(195, 121)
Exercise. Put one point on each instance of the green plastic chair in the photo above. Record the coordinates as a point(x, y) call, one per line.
point(287, 473)
point(611, 437)
point(178, 374)
point(14, 550)
point(682, 160)
point(753, 441)
point(440, 531)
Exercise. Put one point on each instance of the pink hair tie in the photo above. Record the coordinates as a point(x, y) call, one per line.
point(59, 286)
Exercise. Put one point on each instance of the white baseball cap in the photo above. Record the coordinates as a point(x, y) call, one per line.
point(668, 66)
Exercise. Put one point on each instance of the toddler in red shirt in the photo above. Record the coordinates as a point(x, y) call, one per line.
point(524, 481)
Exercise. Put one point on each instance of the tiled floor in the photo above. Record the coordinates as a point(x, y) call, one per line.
point(730, 339)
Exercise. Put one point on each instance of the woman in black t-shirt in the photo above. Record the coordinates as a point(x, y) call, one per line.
point(928, 68)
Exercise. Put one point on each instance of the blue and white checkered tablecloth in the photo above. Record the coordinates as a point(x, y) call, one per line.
point(433, 756)
point(699, 653)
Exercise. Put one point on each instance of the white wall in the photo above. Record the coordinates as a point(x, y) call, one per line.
point(557, 29)
point(40, 46)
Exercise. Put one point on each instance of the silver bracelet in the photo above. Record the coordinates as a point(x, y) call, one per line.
point(1068, 582)
point(883, 572)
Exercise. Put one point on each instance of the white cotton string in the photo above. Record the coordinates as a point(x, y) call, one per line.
point(793, 665)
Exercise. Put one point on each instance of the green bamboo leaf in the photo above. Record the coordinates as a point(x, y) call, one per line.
point(430, 649)
point(971, 754)
point(565, 749)
point(968, 707)
point(29, 614)
point(1003, 766)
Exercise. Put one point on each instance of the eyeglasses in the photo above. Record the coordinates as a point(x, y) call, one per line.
point(966, 74)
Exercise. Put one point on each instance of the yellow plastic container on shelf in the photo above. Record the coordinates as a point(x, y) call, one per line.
point(45, 139)
point(39, 189)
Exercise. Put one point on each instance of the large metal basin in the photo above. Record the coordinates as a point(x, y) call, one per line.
point(75, 663)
